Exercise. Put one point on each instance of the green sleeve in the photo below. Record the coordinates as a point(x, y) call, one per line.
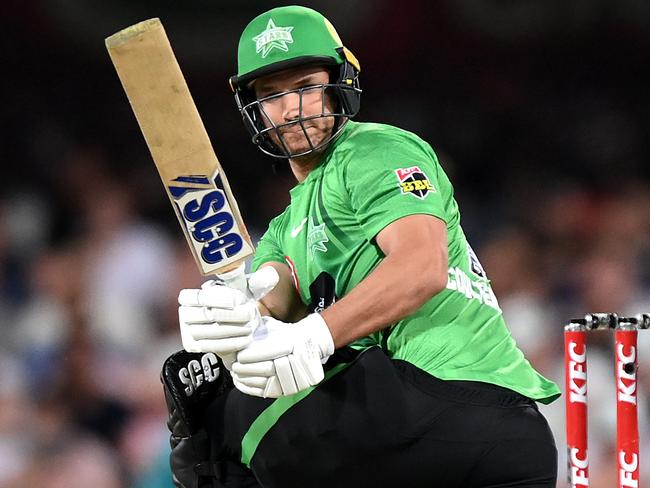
point(396, 177)
point(268, 249)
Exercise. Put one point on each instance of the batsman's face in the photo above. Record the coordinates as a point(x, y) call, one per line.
point(287, 105)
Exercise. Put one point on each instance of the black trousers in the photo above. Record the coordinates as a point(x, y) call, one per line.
point(383, 423)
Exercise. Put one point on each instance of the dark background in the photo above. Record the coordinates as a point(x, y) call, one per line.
point(508, 93)
point(538, 111)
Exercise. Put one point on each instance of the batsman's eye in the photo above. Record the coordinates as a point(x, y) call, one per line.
point(311, 88)
point(269, 95)
point(271, 102)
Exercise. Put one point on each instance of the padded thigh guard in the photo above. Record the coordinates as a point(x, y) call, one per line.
point(191, 381)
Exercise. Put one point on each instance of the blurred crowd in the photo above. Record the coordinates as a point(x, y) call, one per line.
point(540, 119)
point(86, 325)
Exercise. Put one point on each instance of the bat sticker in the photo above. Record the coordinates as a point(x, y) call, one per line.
point(208, 218)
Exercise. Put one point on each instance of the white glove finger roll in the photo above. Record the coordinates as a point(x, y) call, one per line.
point(189, 344)
point(222, 297)
point(309, 356)
point(285, 375)
point(273, 388)
point(253, 381)
point(236, 278)
point(212, 296)
point(194, 315)
point(263, 281)
point(258, 392)
point(315, 372)
point(264, 351)
point(217, 331)
point(209, 283)
point(263, 368)
point(241, 314)
point(300, 374)
point(228, 358)
point(223, 346)
point(189, 297)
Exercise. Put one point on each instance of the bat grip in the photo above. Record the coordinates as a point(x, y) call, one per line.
point(236, 279)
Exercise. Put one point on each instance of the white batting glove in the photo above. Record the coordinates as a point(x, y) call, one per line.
point(283, 359)
point(221, 319)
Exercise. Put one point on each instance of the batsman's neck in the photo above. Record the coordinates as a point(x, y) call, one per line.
point(302, 166)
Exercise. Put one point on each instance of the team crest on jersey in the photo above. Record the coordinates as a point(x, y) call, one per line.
point(273, 37)
point(316, 238)
point(413, 181)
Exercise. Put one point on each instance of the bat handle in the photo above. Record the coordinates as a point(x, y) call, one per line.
point(236, 279)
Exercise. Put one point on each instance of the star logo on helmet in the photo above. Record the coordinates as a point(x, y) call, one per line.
point(273, 37)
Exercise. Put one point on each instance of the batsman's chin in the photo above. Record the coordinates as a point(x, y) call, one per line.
point(297, 142)
point(298, 132)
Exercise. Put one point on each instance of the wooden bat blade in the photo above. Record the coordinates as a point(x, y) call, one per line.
point(180, 147)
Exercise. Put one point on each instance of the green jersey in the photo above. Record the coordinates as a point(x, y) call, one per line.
point(370, 176)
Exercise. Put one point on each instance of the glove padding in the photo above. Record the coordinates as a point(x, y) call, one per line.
point(191, 381)
point(283, 359)
point(221, 319)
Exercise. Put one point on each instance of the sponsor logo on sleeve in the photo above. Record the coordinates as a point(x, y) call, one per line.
point(413, 181)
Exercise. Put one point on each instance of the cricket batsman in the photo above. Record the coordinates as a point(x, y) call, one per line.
point(367, 347)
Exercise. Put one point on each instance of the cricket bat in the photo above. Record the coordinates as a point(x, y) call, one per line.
point(193, 177)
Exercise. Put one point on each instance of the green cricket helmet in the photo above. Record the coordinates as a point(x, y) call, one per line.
point(285, 38)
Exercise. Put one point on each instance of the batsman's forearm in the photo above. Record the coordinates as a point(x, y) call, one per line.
point(400, 285)
point(283, 302)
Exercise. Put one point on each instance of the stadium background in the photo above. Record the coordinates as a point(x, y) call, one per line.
point(537, 109)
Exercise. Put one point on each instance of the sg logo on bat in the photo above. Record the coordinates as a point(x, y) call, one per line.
point(208, 219)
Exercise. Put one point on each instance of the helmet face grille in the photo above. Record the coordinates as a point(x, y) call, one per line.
point(269, 136)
